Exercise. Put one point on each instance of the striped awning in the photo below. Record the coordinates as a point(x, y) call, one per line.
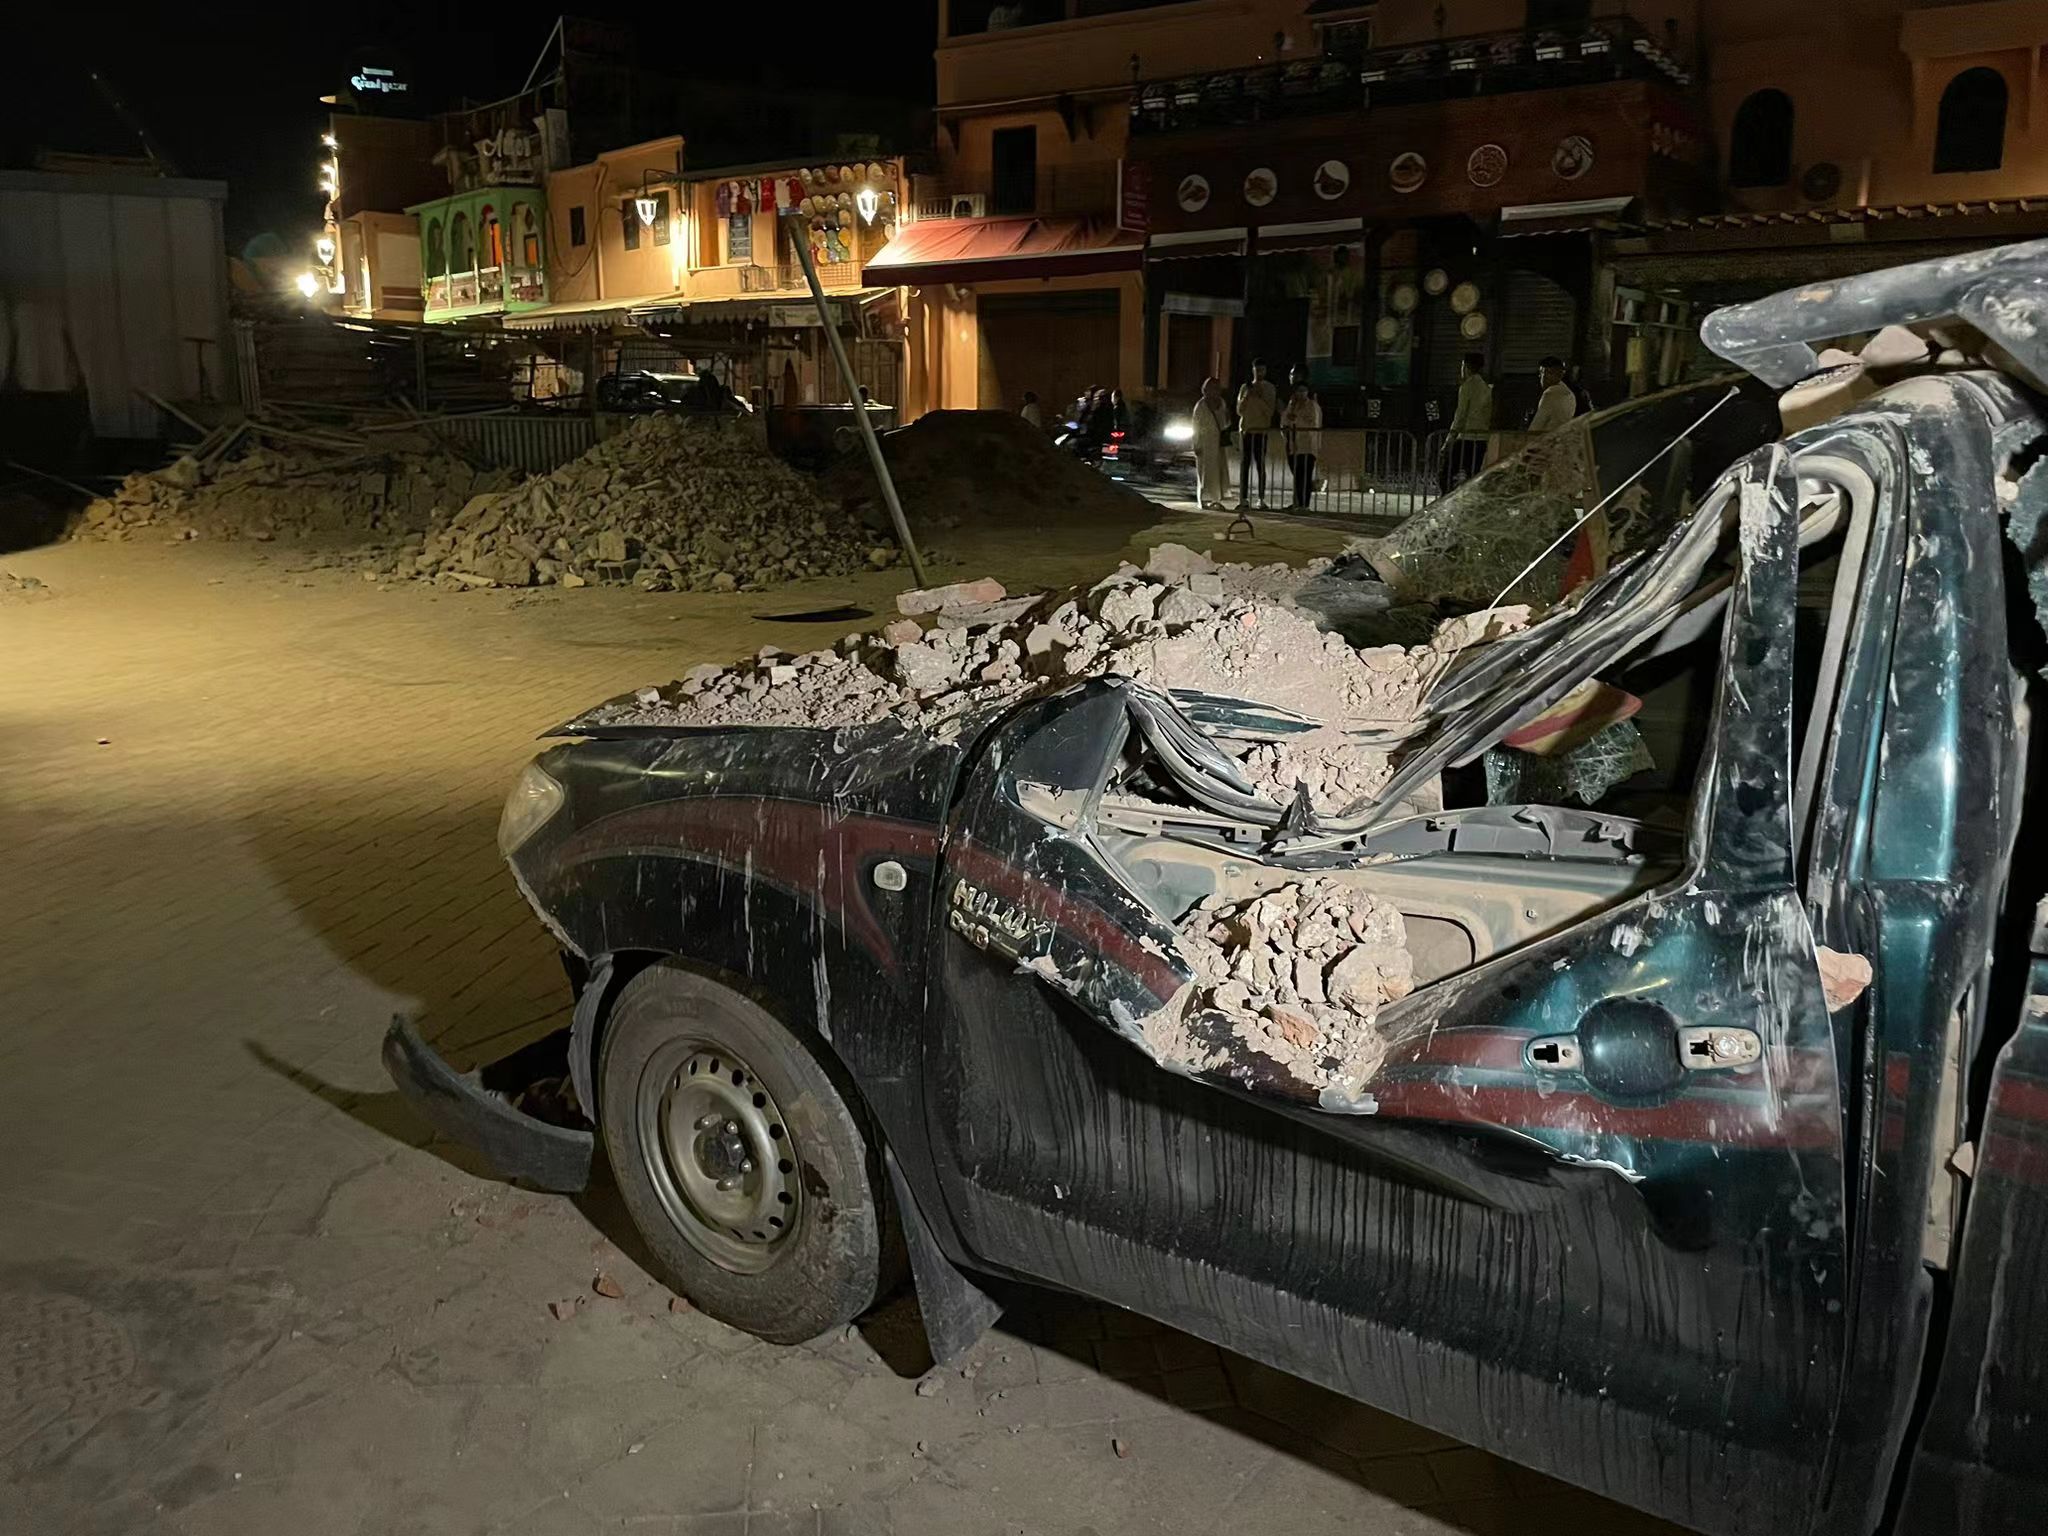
point(589, 315)
point(1191, 244)
point(1314, 235)
point(991, 250)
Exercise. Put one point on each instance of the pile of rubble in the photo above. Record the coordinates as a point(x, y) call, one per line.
point(1300, 973)
point(671, 503)
point(1181, 622)
point(292, 491)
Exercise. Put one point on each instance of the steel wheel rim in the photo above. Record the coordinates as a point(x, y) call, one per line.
point(719, 1154)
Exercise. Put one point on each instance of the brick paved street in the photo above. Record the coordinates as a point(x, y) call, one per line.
point(247, 815)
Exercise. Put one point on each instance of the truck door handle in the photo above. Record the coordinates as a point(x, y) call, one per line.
point(1630, 1049)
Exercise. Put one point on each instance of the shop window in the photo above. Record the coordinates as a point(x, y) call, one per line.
point(660, 218)
point(1760, 145)
point(437, 250)
point(1969, 134)
point(1013, 163)
point(461, 254)
point(578, 234)
point(629, 221)
point(739, 238)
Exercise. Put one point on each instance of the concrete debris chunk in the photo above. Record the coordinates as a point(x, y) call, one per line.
point(1843, 977)
point(1176, 562)
point(1248, 642)
point(1299, 974)
point(960, 594)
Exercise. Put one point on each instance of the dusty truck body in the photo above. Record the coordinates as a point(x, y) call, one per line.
point(1653, 1185)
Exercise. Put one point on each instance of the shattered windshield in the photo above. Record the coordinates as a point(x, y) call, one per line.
point(1655, 457)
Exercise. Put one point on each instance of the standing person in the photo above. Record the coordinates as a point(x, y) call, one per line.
point(1465, 450)
point(1557, 405)
point(1033, 416)
point(1258, 403)
point(1212, 422)
point(1303, 420)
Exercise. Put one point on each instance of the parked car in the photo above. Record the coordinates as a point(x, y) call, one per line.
point(643, 392)
point(1156, 448)
point(1708, 1165)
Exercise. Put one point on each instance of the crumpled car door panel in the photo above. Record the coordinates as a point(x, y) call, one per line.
point(1435, 1251)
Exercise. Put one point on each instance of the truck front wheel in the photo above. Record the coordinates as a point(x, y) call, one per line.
point(743, 1166)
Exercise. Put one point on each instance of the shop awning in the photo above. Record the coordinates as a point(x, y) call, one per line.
point(789, 310)
point(589, 315)
point(1190, 244)
point(1317, 235)
point(1572, 218)
point(991, 250)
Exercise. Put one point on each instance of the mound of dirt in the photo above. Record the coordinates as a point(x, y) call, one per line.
point(985, 468)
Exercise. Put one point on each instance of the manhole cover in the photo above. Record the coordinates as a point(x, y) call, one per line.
point(64, 1364)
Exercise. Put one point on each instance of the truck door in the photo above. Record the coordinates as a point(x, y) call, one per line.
point(1590, 1214)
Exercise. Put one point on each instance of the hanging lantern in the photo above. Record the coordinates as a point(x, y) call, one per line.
point(647, 208)
point(868, 204)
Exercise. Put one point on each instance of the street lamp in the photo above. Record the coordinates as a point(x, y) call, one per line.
point(308, 284)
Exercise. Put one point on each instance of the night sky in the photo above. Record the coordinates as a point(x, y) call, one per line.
point(235, 94)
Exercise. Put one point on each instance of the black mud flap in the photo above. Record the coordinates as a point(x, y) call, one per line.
point(956, 1311)
point(461, 1107)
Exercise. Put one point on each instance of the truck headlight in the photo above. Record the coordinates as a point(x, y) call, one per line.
point(1180, 431)
point(535, 797)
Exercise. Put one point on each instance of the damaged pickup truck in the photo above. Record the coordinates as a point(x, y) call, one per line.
point(1612, 1031)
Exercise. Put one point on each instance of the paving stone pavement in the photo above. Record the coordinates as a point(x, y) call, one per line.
point(247, 812)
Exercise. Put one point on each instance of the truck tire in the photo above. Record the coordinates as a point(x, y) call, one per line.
point(741, 1163)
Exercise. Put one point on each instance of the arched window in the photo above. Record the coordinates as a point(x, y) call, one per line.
point(461, 253)
point(1970, 133)
point(1760, 144)
point(490, 245)
point(529, 237)
point(437, 253)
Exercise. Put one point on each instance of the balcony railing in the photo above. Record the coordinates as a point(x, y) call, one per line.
point(1485, 64)
point(783, 278)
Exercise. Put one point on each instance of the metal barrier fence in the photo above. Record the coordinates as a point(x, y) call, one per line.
point(534, 443)
point(1363, 472)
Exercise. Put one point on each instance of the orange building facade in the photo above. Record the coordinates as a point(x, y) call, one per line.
point(1212, 177)
point(1155, 189)
point(1851, 136)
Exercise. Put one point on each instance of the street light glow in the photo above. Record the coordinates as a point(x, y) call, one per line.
point(308, 284)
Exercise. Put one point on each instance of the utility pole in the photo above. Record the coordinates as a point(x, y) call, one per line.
point(157, 158)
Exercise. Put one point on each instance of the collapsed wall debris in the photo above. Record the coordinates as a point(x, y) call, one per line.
point(670, 503)
point(1298, 973)
point(291, 488)
point(1180, 622)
